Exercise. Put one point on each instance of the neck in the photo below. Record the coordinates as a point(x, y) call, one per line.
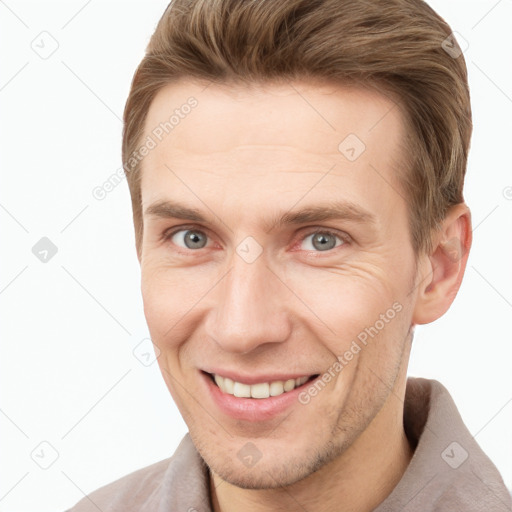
point(358, 480)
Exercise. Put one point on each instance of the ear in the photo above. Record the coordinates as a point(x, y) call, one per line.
point(443, 269)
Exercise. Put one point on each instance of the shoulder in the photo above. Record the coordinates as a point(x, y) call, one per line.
point(476, 489)
point(449, 470)
point(131, 491)
point(175, 483)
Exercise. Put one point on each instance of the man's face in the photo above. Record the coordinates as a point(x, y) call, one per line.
point(242, 294)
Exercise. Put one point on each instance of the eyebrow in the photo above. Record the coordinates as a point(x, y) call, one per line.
point(172, 210)
point(334, 210)
point(337, 210)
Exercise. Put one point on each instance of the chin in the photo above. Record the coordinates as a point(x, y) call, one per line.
point(276, 473)
point(271, 477)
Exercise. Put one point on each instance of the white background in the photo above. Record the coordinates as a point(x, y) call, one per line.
point(68, 374)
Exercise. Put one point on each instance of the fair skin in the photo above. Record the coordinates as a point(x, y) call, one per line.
point(242, 158)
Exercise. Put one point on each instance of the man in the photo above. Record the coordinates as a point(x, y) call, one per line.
point(296, 172)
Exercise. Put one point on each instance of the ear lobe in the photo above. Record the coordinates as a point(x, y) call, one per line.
point(445, 266)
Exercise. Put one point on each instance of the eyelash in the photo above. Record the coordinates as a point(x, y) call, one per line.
point(344, 237)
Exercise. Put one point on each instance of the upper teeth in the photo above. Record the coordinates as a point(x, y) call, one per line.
point(260, 390)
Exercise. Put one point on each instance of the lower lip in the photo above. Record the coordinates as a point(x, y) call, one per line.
point(253, 409)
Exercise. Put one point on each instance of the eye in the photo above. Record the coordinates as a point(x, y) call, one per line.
point(321, 241)
point(189, 238)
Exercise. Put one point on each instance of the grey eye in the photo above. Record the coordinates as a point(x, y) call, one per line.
point(322, 241)
point(189, 239)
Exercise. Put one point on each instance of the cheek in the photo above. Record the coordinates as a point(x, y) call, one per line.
point(343, 294)
point(353, 306)
point(163, 301)
point(171, 299)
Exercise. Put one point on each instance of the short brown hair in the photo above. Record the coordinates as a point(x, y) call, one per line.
point(400, 47)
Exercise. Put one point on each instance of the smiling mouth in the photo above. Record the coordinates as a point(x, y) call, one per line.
point(261, 389)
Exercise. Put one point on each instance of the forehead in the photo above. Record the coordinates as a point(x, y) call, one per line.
point(281, 135)
point(315, 115)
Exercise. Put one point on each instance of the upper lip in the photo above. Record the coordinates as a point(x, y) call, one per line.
point(256, 379)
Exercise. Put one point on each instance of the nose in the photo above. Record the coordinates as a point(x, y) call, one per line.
point(249, 309)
